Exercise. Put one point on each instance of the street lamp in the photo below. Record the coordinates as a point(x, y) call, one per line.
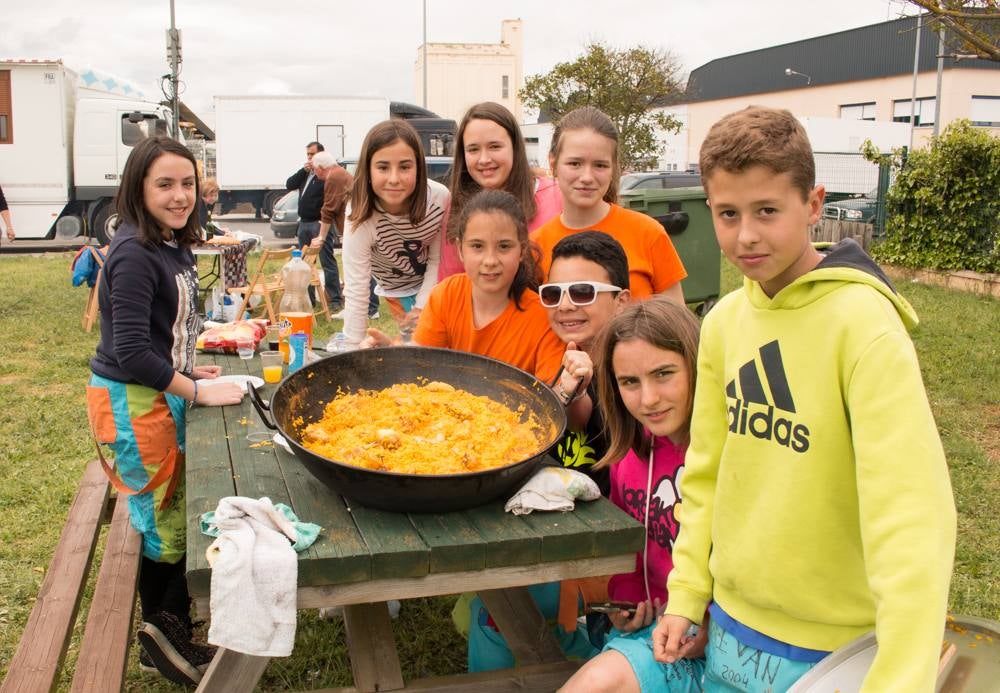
point(789, 72)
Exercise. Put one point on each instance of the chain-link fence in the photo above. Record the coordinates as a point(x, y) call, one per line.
point(855, 188)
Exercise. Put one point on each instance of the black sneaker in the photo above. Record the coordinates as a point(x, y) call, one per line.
point(167, 641)
point(146, 663)
point(148, 666)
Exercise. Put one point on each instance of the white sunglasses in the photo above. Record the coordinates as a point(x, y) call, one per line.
point(580, 293)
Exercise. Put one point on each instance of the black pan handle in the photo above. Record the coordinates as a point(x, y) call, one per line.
point(263, 408)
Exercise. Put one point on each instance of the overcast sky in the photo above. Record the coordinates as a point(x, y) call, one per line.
point(368, 47)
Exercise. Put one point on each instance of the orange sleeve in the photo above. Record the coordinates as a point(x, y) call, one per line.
point(546, 236)
point(431, 329)
point(667, 266)
point(549, 355)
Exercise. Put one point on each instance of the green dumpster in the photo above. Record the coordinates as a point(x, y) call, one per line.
point(688, 221)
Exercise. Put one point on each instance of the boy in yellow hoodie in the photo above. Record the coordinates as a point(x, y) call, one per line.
point(817, 504)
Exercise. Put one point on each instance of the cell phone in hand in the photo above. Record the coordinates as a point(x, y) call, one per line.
point(615, 607)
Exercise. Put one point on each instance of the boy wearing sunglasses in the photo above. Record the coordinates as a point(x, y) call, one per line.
point(588, 284)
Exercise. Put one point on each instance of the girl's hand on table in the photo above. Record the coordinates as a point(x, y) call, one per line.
point(219, 394)
point(206, 372)
point(375, 338)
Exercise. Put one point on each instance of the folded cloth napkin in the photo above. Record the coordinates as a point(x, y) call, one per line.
point(254, 578)
point(552, 488)
point(307, 531)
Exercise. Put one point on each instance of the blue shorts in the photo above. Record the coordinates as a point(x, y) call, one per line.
point(683, 676)
point(733, 666)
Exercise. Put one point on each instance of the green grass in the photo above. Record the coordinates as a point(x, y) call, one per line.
point(43, 434)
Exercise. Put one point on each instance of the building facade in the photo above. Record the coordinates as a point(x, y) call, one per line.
point(462, 74)
point(859, 74)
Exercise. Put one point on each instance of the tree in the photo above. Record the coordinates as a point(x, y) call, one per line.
point(975, 23)
point(626, 84)
point(944, 206)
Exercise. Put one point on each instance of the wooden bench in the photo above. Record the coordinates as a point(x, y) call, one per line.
point(108, 633)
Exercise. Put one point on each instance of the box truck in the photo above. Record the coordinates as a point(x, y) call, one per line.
point(65, 143)
point(261, 140)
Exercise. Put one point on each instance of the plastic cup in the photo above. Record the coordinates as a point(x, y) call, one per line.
point(270, 364)
point(245, 347)
point(273, 337)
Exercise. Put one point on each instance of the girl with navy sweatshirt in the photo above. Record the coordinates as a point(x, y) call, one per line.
point(143, 376)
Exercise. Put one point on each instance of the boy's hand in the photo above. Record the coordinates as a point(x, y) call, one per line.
point(645, 612)
point(578, 370)
point(699, 643)
point(670, 641)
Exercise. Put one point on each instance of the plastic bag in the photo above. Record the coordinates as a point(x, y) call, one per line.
point(221, 339)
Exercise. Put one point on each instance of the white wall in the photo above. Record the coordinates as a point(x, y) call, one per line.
point(462, 74)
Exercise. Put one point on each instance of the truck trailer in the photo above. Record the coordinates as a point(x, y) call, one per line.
point(66, 143)
point(261, 140)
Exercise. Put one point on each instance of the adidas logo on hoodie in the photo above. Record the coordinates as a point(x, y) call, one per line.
point(754, 413)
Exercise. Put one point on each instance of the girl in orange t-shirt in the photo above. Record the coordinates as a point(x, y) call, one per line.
point(492, 309)
point(584, 159)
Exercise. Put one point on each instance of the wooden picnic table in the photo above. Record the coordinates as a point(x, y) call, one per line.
point(364, 557)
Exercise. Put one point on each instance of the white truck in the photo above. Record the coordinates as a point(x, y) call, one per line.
point(68, 138)
point(261, 140)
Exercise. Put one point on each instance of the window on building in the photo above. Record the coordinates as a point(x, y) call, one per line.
point(923, 111)
point(6, 109)
point(505, 87)
point(858, 111)
point(985, 111)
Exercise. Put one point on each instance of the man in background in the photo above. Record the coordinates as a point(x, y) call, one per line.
point(337, 184)
point(310, 196)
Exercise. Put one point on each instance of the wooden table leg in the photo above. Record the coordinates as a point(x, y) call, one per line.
point(372, 647)
point(232, 671)
point(522, 625)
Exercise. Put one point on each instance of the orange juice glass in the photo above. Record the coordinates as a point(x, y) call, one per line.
point(270, 364)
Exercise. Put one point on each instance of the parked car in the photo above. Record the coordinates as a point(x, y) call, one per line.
point(285, 216)
point(659, 180)
point(859, 208)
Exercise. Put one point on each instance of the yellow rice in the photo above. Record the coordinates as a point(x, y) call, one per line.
point(422, 429)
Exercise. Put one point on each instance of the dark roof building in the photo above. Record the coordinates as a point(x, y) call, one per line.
point(854, 55)
point(859, 74)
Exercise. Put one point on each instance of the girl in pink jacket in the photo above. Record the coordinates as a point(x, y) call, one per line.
point(645, 372)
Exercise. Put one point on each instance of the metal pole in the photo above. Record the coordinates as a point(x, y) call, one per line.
point(173, 73)
point(916, 62)
point(940, 73)
point(425, 53)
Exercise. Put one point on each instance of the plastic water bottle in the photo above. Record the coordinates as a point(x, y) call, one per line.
point(338, 343)
point(295, 308)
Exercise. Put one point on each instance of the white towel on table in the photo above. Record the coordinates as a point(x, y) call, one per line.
point(552, 488)
point(254, 573)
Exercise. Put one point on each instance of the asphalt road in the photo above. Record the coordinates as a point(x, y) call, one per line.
point(241, 222)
